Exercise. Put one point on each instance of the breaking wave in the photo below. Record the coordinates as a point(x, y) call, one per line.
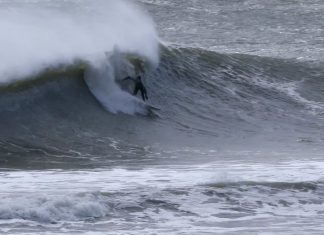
point(45, 35)
point(67, 86)
point(197, 91)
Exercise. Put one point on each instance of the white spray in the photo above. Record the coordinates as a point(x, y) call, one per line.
point(39, 34)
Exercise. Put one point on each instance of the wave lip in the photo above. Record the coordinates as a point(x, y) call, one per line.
point(37, 35)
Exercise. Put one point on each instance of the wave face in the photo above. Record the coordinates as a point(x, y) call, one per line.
point(225, 93)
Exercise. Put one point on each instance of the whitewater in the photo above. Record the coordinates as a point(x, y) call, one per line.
point(235, 146)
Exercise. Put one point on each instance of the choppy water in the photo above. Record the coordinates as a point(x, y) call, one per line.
point(236, 147)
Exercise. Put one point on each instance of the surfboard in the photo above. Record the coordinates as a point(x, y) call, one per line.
point(152, 111)
point(152, 107)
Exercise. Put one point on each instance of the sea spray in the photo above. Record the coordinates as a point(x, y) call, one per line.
point(37, 35)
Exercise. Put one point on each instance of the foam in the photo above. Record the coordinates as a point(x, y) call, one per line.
point(167, 198)
point(52, 208)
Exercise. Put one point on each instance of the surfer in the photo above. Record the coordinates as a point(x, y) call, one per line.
point(139, 86)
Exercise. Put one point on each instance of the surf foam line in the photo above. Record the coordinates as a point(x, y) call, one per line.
point(41, 34)
point(63, 196)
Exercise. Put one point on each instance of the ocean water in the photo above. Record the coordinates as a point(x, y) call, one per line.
point(235, 147)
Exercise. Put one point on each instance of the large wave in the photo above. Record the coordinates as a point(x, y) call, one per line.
point(200, 94)
point(83, 48)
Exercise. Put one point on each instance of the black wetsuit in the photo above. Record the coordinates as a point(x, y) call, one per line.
point(139, 86)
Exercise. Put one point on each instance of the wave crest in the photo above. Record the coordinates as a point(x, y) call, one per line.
point(38, 35)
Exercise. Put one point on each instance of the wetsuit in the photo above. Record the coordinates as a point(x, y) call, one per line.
point(139, 86)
